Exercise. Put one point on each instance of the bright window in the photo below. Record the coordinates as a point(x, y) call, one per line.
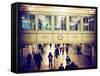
point(44, 22)
point(74, 22)
point(60, 22)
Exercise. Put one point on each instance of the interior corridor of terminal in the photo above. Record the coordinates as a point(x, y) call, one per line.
point(74, 51)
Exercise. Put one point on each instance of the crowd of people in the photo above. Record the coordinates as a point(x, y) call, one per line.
point(37, 58)
point(69, 65)
point(61, 49)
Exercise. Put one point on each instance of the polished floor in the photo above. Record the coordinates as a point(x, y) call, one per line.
point(79, 59)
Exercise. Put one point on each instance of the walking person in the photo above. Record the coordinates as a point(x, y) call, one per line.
point(78, 50)
point(35, 58)
point(67, 49)
point(56, 52)
point(68, 60)
point(63, 50)
point(29, 60)
point(38, 60)
point(50, 56)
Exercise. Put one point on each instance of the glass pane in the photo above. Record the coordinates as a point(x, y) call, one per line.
point(48, 22)
point(44, 22)
point(25, 22)
point(60, 22)
point(86, 23)
point(91, 23)
point(28, 21)
point(32, 22)
point(74, 23)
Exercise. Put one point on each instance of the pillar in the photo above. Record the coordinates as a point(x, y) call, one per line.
point(52, 23)
point(93, 56)
point(36, 21)
point(67, 23)
point(83, 48)
point(81, 24)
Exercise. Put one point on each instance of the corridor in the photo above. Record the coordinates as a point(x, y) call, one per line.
point(80, 60)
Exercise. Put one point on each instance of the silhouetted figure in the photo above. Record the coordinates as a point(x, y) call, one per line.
point(61, 67)
point(73, 66)
point(68, 60)
point(67, 67)
point(62, 50)
point(40, 24)
point(29, 58)
point(42, 50)
point(50, 56)
point(79, 50)
point(50, 45)
point(35, 58)
point(20, 57)
point(56, 52)
point(38, 61)
point(67, 49)
point(39, 46)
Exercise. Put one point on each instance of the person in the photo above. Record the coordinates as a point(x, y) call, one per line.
point(61, 67)
point(78, 50)
point(40, 24)
point(62, 50)
point(42, 50)
point(38, 60)
point(50, 45)
point(39, 46)
point(67, 49)
point(73, 66)
point(29, 58)
point(67, 67)
point(56, 52)
point(35, 58)
point(68, 60)
point(47, 27)
point(50, 56)
point(20, 57)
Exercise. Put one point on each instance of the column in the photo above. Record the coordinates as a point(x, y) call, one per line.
point(93, 56)
point(67, 23)
point(52, 23)
point(81, 24)
point(36, 22)
point(67, 26)
point(82, 48)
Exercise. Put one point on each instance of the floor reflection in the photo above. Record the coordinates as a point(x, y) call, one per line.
point(80, 60)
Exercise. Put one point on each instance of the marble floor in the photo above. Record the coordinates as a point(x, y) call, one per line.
point(79, 59)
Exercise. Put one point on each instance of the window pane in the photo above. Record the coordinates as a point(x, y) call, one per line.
point(85, 23)
point(32, 22)
point(89, 23)
point(28, 21)
point(74, 23)
point(44, 22)
point(25, 21)
point(60, 22)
